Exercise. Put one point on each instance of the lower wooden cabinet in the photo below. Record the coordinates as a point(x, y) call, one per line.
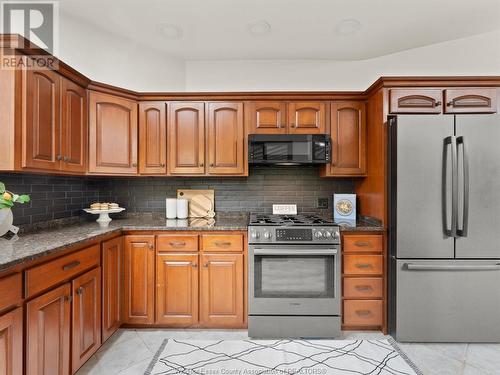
point(177, 289)
point(139, 279)
point(112, 286)
point(11, 342)
point(86, 321)
point(48, 328)
point(221, 284)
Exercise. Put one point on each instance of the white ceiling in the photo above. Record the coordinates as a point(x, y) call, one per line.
point(300, 29)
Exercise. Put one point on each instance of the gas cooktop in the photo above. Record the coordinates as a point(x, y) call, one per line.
point(289, 220)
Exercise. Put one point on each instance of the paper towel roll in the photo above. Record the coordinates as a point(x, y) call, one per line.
point(182, 208)
point(171, 205)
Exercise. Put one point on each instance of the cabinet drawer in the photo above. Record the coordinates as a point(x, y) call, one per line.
point(362, 264)
point(46, 275)
point(166, 242)
point(471, 100)
point(362, 287)
point(222, 242)
point(415, 101)
point(362, 313)
point(363, 243)
point(10, 291)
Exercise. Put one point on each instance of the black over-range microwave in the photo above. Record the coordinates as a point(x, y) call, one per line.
point(289, 149)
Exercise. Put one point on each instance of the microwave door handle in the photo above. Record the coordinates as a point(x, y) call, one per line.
point(274, 252)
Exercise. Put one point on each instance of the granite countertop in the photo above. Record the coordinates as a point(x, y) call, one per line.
point(42, 242)
point(363, 224)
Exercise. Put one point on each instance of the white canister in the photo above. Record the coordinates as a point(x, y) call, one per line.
point(182, 208)
point(171, 208)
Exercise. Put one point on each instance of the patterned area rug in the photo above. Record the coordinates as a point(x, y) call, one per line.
point(255, 357)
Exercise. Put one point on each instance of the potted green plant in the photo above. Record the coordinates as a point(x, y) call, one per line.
point(7, 201)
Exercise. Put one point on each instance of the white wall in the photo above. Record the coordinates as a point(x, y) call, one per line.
point(107, 58)
point(477, 55)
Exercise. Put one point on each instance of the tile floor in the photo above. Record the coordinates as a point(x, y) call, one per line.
point(129, 352)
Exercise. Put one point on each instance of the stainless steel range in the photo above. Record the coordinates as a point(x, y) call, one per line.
point(294, 276)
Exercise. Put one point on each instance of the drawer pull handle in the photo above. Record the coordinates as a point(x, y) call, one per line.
point(222, 243)
point(177, 243)
point(364, 288)
point(362, 243)
point(363, 312)
point(71, 265)
point(363, 265)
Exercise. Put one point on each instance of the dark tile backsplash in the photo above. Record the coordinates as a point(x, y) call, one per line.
point(55, 197)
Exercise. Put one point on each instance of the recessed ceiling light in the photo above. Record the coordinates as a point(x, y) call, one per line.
point(258, 28)
point(170, 31)
point(348, 27)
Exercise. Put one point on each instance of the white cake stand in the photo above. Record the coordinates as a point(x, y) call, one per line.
point(104, 218)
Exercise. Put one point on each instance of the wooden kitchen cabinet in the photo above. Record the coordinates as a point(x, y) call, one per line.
point(74, 128)
point(267, 117)
point(41, 127)
point(48, 328)
point(416, 101)
point(177, 289)
point(306, 117)
point(152, 138)
point(470, 100)
point(221, 294)
point(11, 342)
point(226, 138)
point(139, 279)
point(112, 134)
point(86, 317)
point(112, 286)
point(186, 138)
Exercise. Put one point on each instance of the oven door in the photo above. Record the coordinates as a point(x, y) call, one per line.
point(294, 280)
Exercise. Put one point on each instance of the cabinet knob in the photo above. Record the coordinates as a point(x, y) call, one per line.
point(201, 164)
point(162, 165)
point(151, 246)
point(211, 165)
point(292, 125)
point(195, 265)
point(205, 265)
point(79, 291)
point(58, 157)
point(134, 165)
point(66, 159)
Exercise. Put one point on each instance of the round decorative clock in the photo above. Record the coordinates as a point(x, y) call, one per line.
point(344, 207)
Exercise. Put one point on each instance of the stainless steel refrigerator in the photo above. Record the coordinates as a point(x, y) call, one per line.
point(444, 228)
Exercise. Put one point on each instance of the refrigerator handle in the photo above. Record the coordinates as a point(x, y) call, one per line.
point(450, 143)
point(462, 232)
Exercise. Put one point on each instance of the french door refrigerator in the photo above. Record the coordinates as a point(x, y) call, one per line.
point(444, 223)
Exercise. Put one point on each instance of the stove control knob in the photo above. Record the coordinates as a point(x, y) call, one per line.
point(336, 235)
point(318, 234)
point(255, 235)
point(267, 235)
point(328, 234)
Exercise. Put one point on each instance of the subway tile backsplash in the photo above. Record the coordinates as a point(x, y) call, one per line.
point(55, 197)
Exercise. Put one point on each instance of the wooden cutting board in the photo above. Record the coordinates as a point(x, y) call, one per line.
point(201, 202)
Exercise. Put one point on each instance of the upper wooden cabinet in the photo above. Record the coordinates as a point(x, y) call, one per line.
point(470, 100)
point(112, 134)
point(152, 138)
point(186, 138)
point(139, 279)
point(306, 117)
point(275, 117)
point(348, 134)
point(226, 146)
point(415, 100)
point(267, 117)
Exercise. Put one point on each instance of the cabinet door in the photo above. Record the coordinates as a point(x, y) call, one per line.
point(221, 286)
point(112, 290)
point(112, 134)
point(48, 328)
point(73, 127)
point(177, 289)
point(41, 121)
point(267, 117)
point(139, 279)
point(186, 138)
point(415, 101)
point(152, 138)
point(86, 323)
point(306, 117)
point(471, 100)
point(226, 146)
point(348, 133)
point(11, 342)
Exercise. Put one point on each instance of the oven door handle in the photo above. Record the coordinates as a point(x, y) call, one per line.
point(275, 252)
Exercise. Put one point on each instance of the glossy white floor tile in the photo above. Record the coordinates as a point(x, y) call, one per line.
point(129, 352)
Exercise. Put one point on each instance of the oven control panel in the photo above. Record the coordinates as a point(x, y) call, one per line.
point(265, 234)
point(294, 234)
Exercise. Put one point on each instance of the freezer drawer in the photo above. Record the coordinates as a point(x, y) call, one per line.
point(448, 301)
